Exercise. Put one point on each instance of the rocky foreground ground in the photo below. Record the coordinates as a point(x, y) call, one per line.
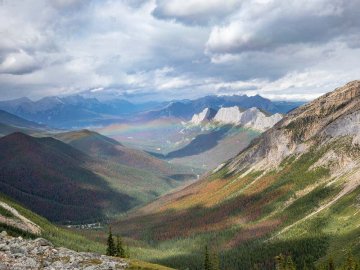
point(17, 253)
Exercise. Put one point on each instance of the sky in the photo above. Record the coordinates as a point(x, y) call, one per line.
point(175, 49)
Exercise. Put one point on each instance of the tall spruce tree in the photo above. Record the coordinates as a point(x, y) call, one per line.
point(214, 261)
point(207, 263)
point(120, 251)
point(111, 249)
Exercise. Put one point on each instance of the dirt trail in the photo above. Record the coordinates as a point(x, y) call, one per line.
point(20, 221)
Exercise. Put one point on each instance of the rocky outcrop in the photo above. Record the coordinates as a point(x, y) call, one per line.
point(19, 254)
point(251, 118)
point(204, 117)
point(329, 117)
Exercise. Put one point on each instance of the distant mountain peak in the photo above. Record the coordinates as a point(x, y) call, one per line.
point(252, 118)
point(203, 117)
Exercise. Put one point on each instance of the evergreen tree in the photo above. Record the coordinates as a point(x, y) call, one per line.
point(207, 263)
point(111, 249)
point(120, 252)
point(215, 262)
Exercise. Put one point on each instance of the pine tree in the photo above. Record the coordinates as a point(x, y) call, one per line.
point(120, 252)
point(207, 263)
point(215, 262)
point(111, 249)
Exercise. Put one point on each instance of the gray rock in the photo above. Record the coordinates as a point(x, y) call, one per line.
point(42, 242)
point(20, 254)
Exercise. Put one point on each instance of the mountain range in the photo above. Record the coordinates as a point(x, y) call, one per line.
point(294, 190)
point(185, 109)
point(79, 111)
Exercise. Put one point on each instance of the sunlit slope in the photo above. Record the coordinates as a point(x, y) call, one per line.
point(294, 190)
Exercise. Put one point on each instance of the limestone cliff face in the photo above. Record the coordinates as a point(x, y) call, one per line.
point(330, 117)
point(251, 118)
point(204, 117)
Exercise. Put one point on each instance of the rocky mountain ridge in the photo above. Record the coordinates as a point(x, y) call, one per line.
point(252, 118)
point(331, 116)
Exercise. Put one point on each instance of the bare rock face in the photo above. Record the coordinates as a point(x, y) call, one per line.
point(19, 254)
point(250, 118)
point(332, 116)
point(204, 117)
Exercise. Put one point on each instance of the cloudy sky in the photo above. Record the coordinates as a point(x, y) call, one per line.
point(165, 49)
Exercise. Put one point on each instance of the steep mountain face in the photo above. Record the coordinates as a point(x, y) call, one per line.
point(186, 109)
point(250, 118)
point(295, 190)
point(326, 119)
point(204, 117)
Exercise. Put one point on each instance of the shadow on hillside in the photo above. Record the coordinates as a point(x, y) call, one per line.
point(201, 143)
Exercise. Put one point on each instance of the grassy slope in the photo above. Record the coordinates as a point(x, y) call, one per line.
point(69, 239)
point(240, 213)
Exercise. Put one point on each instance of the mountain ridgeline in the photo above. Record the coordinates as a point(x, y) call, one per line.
point(78, 111)
point(294, 190)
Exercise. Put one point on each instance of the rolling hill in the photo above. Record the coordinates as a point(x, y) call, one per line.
point(55, 180)
point(102, 147)
point(294, 190)
point(63, 183)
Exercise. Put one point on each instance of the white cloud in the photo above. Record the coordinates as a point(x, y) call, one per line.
point(195, 11)
point(19, 63)
point(178, 49)
point(259, 26)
